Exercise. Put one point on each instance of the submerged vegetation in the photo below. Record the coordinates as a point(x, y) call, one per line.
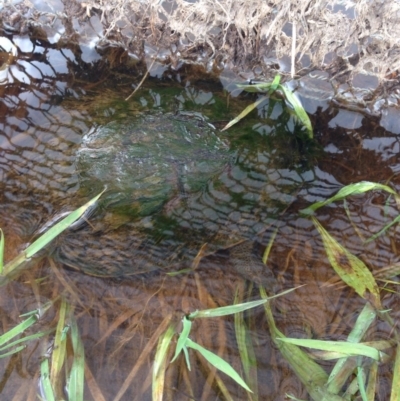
point(359, 357)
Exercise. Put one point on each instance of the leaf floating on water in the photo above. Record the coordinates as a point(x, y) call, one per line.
point(351, 270)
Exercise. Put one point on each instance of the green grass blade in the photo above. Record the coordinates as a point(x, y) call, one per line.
point(372, 381)
point(226, 310)
point(246, 352)
point(1, 251)
point(26, 339)
point(244, 113)
point(395, 394)
point(25, 324)
point(344, 367)
point(218, 362)
point(269, 247)
point(349, 190)
point(375, 236)
point(298, 108)
point(77, 374)
point(232, 309)
point(47, 390)
point(312, 376)
point(275, 83)
point(356, 229)
point(53, 232)
point(361, 383)
point(187, 359)
point(14, 351)
point(59, 350)
point(19, 329)
point(181, 343)
point(160, 362)
point(261, 87)
point(291, 397)
point(344, 347)
point(349, 268)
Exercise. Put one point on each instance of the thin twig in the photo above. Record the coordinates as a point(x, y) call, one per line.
point(143, 79)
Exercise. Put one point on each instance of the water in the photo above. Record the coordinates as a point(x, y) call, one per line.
point(50, 99)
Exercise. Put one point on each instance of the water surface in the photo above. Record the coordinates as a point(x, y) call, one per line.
point(51, 98)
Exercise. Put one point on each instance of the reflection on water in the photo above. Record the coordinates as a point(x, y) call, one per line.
point(50, 98)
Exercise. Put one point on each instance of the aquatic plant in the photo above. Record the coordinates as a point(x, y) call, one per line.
point(11, 268)
point(50, 383)
point(354, 356)
point(270, 88)
point(356, 371)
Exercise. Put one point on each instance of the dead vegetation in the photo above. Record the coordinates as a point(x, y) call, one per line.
point(348, 37)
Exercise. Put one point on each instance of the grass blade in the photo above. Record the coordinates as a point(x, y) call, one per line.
point(26, 339)
point(372, 381)
point(261, 87)
point(269, 247)
point(344, 367)
point(395, 394)
point(14, 351)
point(350, 269)
point(181, 343)
point(45, 385)
point(344, 347)
point(244, 113)
point(349, 190)
point(77, 374)
point(59, 350)
point(246, 352)
point(379, 233)
point(298, 108)
point(218, 362)
point(312, 376)
point(53, 232)
point(160, 361)
point(232, 309)
point(361, 383)
point(19, 329)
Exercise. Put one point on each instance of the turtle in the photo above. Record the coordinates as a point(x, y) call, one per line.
point(171, 187)
point(149, 164)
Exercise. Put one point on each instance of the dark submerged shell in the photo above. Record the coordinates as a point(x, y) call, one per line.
point(151, 165)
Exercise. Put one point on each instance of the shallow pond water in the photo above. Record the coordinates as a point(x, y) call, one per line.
point(51, 99)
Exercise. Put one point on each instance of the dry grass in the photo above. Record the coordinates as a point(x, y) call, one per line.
point(349, 37)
